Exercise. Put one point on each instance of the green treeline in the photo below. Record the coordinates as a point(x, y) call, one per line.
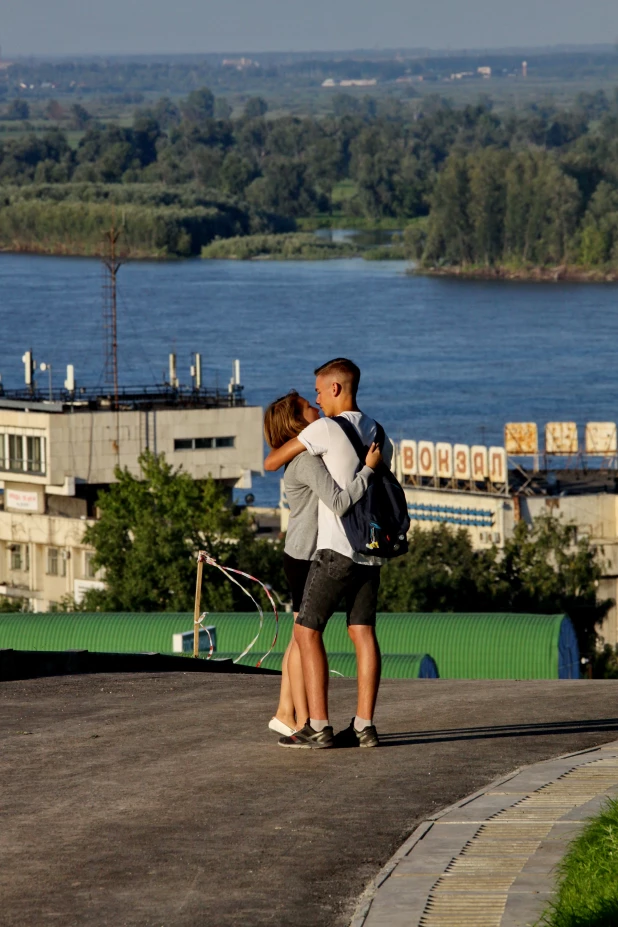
point(535, 186)
point(494, 207)
point(156, 221)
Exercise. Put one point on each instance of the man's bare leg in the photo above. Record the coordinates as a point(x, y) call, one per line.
point(315, 670)
point(369, 665)
point(297, 684)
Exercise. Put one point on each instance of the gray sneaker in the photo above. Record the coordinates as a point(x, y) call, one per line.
point(308, 739)
point(350, 737)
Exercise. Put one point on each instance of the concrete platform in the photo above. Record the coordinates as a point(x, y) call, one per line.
point(163, 800)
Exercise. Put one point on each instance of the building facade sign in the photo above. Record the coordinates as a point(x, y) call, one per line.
point(19, 500)
point(521, 439)
point(561, 438)
point(458, 463)
point(601, 439)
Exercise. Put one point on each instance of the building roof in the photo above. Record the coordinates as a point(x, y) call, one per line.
point(464, 646)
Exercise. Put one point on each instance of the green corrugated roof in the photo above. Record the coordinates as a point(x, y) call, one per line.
point(394, 665)
point(464, 646)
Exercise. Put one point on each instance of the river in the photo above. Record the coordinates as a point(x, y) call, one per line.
point(442, 359)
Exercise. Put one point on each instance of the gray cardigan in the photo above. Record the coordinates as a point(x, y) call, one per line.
point(306, 480)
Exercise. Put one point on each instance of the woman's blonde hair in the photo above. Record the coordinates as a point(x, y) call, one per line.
point(283, 420)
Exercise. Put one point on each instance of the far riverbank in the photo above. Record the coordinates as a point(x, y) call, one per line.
point(562, 273)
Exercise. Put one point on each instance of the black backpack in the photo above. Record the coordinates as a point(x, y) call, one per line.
point(377, 525)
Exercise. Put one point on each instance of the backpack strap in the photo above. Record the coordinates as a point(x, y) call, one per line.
point(355, 439)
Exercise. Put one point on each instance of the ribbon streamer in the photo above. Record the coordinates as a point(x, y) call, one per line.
point(204, 557)
point(204, 628)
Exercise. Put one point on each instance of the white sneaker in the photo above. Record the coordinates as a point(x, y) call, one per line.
point(278, 727)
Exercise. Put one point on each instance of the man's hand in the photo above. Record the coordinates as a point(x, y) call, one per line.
point(284, 454)
point(374, 456)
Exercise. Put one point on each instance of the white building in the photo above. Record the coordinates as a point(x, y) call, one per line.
point(55, 457)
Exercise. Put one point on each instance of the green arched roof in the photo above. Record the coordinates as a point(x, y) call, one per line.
point(394, 665)
point(464, 646)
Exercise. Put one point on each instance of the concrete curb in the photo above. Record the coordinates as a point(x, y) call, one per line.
point(366, 900)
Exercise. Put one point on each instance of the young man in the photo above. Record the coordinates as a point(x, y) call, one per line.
point(337, 572)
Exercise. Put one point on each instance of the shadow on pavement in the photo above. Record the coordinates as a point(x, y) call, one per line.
point(405, 738)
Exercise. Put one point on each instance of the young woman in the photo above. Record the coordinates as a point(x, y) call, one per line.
point(306, 481)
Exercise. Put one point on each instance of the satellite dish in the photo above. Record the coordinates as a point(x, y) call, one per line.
point(249, 498)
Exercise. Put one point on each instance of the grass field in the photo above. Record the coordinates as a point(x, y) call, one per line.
point(587, 892)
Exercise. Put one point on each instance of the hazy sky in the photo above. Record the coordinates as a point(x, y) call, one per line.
point(84, 26)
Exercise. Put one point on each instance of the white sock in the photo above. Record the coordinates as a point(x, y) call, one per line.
point(318, 725)
point(361, 723)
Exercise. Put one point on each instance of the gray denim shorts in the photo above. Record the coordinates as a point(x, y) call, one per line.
point(333, 579)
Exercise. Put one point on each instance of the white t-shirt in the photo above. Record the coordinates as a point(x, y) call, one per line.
point(327, 439)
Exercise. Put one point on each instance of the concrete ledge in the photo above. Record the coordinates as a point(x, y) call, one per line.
point(32, 664)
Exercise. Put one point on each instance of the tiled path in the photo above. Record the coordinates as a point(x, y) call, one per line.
point(489, 860)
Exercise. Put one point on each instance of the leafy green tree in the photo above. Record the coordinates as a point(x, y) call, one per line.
point(255, 108)
point(285, 189)
point(236, 173)
point(148, 535)
point(488, 204)
point(440, 572)
point(547, 569)
point(199, 105)
point(54, 111)
point(18, 109)
point(79, 116)
point(223, 110)
point(450, 231)
point(543, 569)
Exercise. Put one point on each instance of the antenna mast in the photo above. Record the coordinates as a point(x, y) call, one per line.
point(110, 321)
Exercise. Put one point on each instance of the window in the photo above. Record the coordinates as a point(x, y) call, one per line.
point(89, 569)
point(16, 459)
point(22, 452)
point(52, 561)
point(56, 562)
point(34, 457)
point(20, 557)
point(200, 444)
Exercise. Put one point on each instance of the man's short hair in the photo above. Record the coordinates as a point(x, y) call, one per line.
point(341, 365)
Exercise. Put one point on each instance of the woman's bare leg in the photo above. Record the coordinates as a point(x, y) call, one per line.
point(292, 709)
point(285, 708)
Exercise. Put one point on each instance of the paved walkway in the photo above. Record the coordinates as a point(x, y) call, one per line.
point(489, 860)
point(161, 800)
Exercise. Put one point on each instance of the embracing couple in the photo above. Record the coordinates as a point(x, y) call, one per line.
point(323, 482)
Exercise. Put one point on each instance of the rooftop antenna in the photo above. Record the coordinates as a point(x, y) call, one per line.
point(173, 375)
point(110, 319)
point(234, 388)
point(196, 371)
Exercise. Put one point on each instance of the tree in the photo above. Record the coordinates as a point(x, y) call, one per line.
point(148, 535)
point(543, 569)
point(79, 116)
point(449, 232)
point(440, 572)
point(255, 108)
point(54, 111)
point(487, 204)
point(223, 110)
point(285, 189)
point(18, 109)
point(236, 173)
point(199, 105)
